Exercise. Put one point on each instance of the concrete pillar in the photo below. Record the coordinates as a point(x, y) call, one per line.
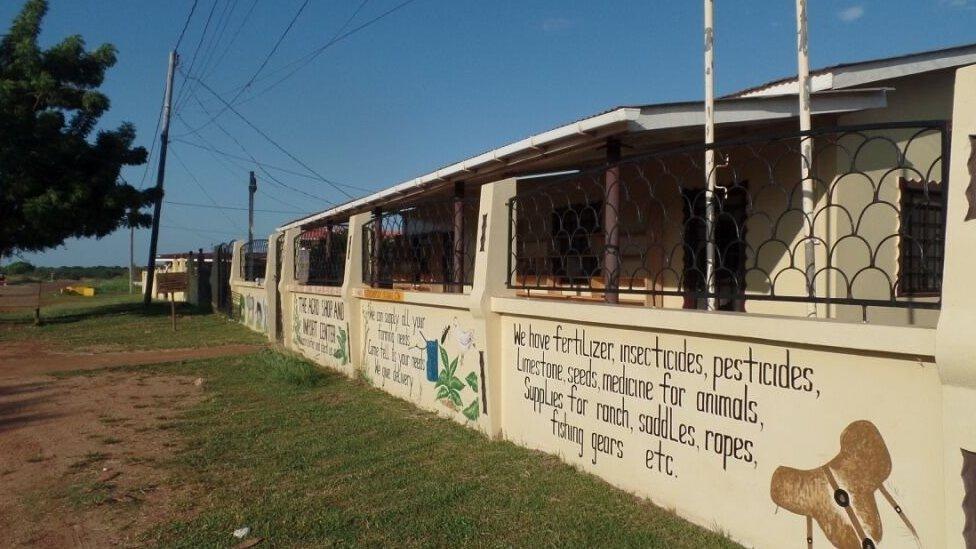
point(284, 284)
point(235, 265)
point(955, 347)
point(271, 287)
point(353, 281)
point(491, 255)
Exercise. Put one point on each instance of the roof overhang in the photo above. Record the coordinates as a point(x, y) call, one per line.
point(739, 110)
point(648, 118)
point(849, 75)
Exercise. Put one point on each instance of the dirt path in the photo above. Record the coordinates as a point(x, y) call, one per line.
point(27, 358)
point(78, 466)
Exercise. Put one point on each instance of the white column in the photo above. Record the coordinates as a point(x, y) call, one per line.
point(710, 153)
point(806, 149)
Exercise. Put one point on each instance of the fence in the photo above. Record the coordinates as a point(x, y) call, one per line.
point(648, 229)
point(320, 255)
point(255, 259)
point(220, 278)
point(427, 246)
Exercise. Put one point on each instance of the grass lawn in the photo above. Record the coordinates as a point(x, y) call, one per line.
point(310, 458)
point(118, 321)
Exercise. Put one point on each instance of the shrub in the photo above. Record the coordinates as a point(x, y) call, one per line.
point(293, 371)
point(18, 268)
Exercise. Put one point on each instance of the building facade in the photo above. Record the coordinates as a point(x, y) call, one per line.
point(583, 292)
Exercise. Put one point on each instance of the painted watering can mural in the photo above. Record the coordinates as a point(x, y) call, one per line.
point(432, 355)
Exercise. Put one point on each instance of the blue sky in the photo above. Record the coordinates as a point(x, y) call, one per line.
point(432, 83)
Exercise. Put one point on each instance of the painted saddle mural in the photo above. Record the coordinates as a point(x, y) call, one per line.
point(841, 495)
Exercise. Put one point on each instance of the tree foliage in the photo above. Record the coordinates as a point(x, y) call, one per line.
point(57, 180)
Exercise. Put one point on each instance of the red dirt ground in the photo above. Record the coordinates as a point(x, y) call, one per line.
point(79, 453)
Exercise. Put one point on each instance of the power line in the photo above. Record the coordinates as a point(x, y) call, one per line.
point(308, 58)
point(207, 194)
point(198, 231)
point(212, 206)
point(264, 63)
point(233, 38)
point(159, 119)
point(196, 52)
point(230, 166)
point(256, 163)
point(274, 49)
point(268, 138)
point(291, 63)
point(222, 21)
point(186, 24)
point(253, 160)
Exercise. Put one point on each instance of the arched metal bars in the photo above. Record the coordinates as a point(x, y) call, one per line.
point(427, 246)
point(557, 233)
point(320, 255)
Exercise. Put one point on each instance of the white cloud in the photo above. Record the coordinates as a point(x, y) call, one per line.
point(557, 24)
point(853, 13)
point(963, 4)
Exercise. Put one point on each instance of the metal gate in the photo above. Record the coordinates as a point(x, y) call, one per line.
point(279, 248)
point(220, 279)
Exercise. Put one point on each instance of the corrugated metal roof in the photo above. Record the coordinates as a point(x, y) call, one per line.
point(841, 66)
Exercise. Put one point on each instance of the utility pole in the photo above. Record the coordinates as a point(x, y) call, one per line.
point(160, 174)
point(252, 187)
point(132, 264)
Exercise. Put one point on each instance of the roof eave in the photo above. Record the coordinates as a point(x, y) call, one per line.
point(615, 122)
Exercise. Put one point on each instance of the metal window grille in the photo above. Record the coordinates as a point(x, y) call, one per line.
point(254, 259)
point(921, 245)
point(425, 246)
point(641, 228)
point(320, 255)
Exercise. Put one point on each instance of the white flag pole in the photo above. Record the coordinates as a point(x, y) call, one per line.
point(710, 153)
point(806, 149)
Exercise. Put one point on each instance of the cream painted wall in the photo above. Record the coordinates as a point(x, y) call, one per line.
point(250, 299)
point(829, 377)
point(250, 303)
point(955, 346)
point(433, 356)
point(320, 329)
point(704, 421)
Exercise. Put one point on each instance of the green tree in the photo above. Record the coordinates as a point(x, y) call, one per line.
point(19, 268)
point(57, 180)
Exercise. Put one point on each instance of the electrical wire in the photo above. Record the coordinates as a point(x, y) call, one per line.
point(152, 148)
point(269, 139)
point(236, 34)
point(256, 163)
point(254, 160)
point(231, 167)
point(308, 58)
point(220, 29)
point(196, 52)
point(186, 24)
point(198, 231)
point(204, 190)
point(234, 208)
point(264, 63)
